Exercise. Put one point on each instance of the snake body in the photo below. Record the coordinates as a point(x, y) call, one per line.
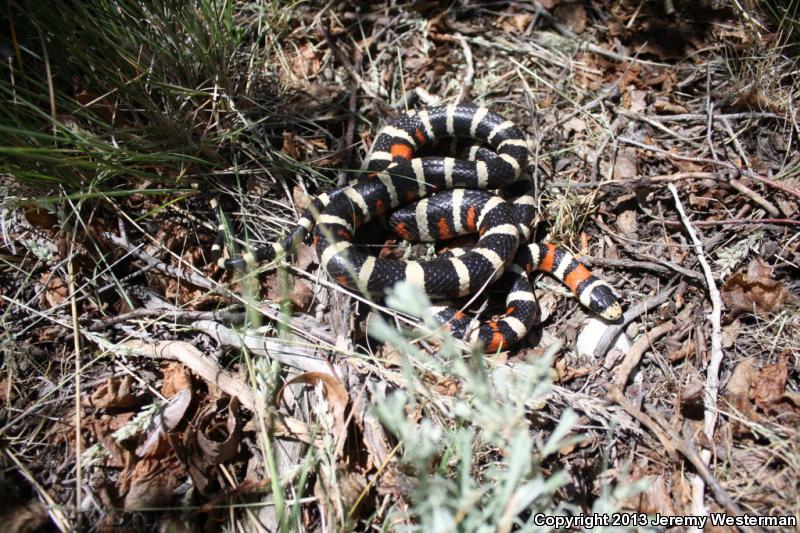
point(436, 198)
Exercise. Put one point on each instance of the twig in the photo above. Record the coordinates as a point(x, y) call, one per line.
point(631, 314)
point(752, 175)
point(712, 372)
point(76, 344)
point(734, 221)
point(636, 352)
point(689, 117)
point(672, 441)
point(301, 357)
point(466, 85)
point(196, 361)
point(657, 125)
point(53, 509)
point(228, 316)
point(151, 261)
point(342, 58)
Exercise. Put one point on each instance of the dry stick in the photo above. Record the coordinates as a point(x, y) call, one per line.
point(150, 261)
point(636, 352)
point(58, 517)
point(741, 187)
point(301, 357)
point(712, 372)
point(669, 264)
point(690, 117)
point(663, 267)
point(466, 86)
point(349, 136)
point(193, 359)
point(752, 175)
point(205, 283)
point(672, 441)
point(631, 314)
point(76, 340)
point(657, 125)
point(228, 315)
point(342, 58)
point(733, 221)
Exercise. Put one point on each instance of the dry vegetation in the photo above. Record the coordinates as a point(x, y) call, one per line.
point(663, 140)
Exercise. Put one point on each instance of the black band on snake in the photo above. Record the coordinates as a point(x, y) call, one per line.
point(438, 198)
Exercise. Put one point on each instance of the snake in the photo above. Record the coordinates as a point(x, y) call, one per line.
point(435, 198)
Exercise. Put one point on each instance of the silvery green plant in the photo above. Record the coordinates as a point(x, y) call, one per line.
point(476, 458)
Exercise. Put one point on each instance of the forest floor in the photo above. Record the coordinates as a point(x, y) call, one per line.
point(663, 144)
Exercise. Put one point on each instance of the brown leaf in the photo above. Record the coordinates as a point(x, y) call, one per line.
point(574, 124)
point(626, 222)
point(730, 333)
point(625, 164)
point(292, 147)
point(516, 23)
point(665, 107)
point(152, 482)
point(302, 294)
point(219, 441)
point(165, 421)
point(771, 384)
point(115, 393)
point(176, 378)
point(336, 395)
point(573, 14)
point(305, 63)
point(742, 378)
point(754, 291)
point(305, 256)
point(102, 430)
point(40, 218)
point(638, 101)
point(55, 291)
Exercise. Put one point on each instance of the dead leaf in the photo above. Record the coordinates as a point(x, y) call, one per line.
point(638, 101)
point(40, 218)
point(165, 421)
point(176, 378)
point(691, 399)
point(219, 441)
point(304, 64)
point(114, 393)
point(626, 222)
point(742, 378)
point(771, 383)
point(730, 333)
point(302, 294)
point(573, 14)
point(754, 290)
point(152, 482)
point(625, 164)
point(336, 395)
point(665, 107)
point(55, 291)
point(292, 148)
point(574, 124)
point(516, 23)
